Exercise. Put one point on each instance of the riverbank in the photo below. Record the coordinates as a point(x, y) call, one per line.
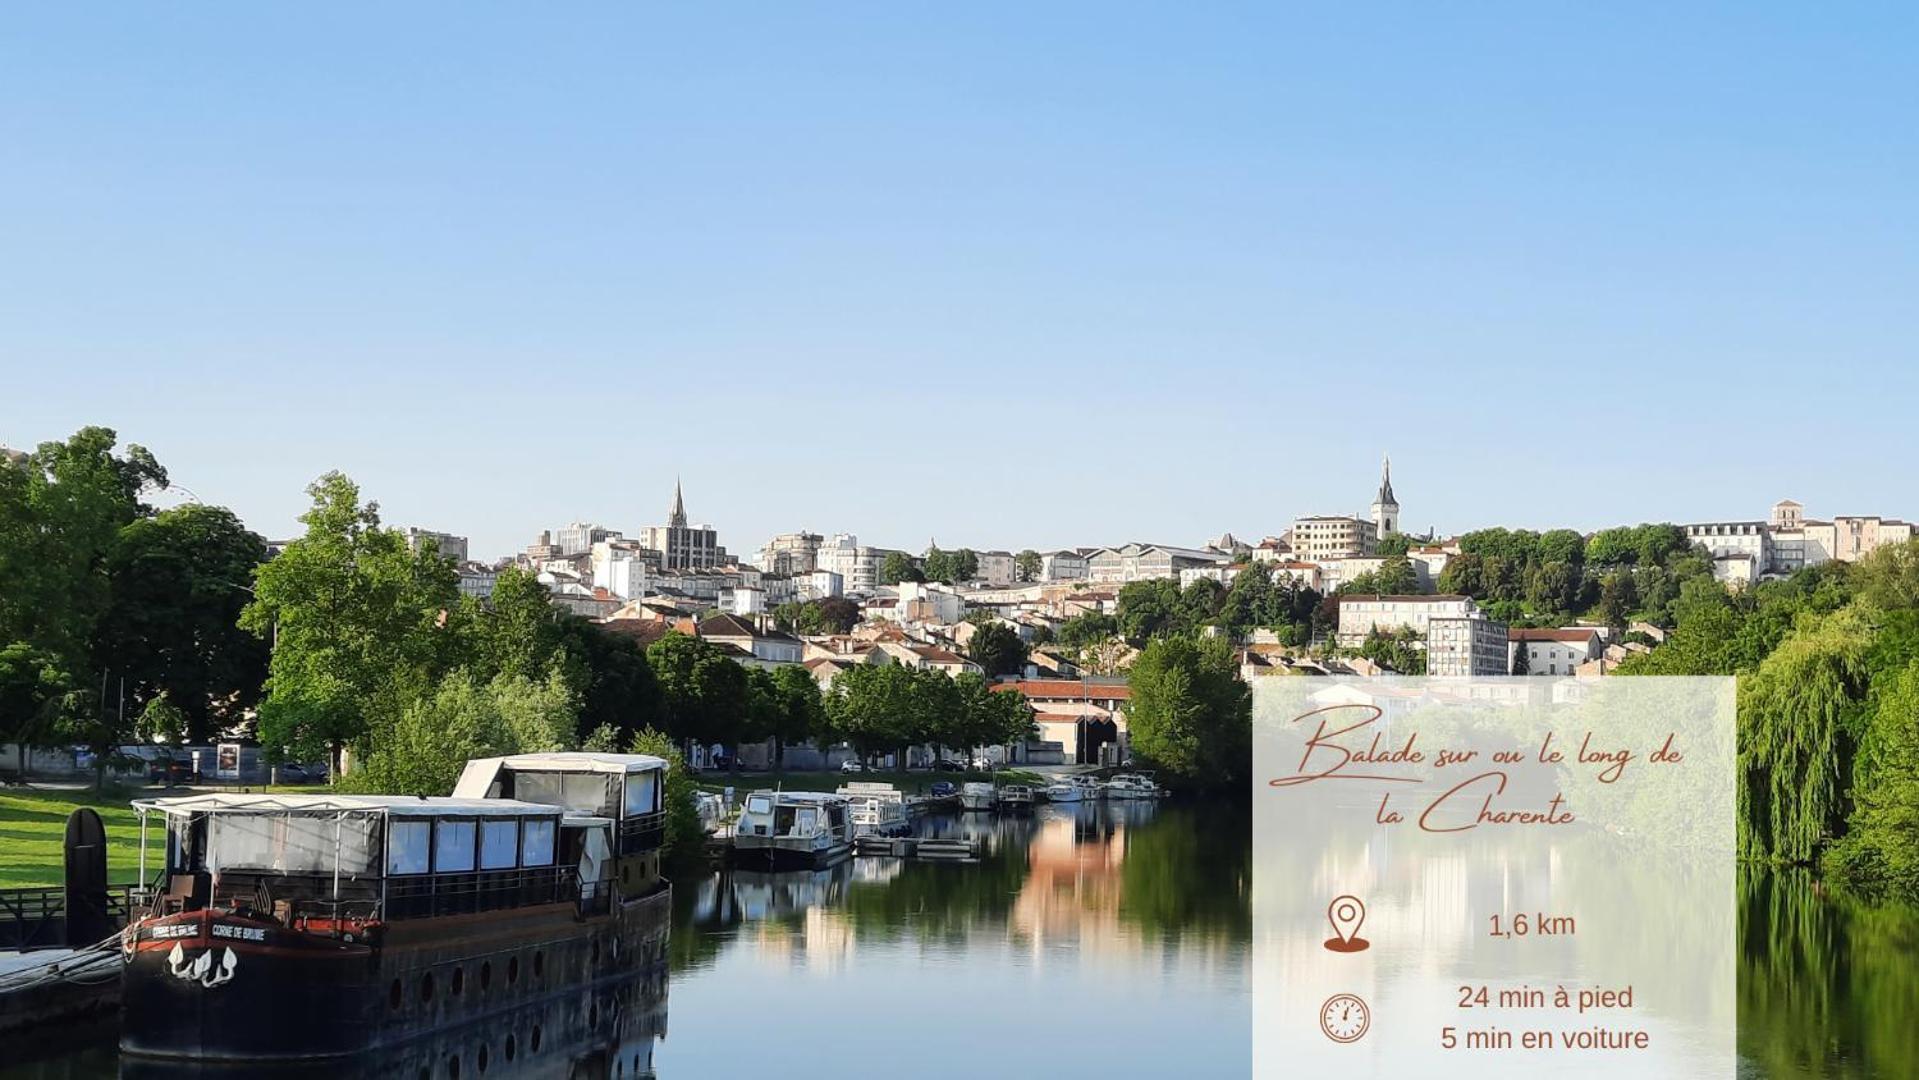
point(33, 829)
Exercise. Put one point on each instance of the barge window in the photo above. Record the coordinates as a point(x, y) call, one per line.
point(537, 848)
point(409, 847)
point(452, 845)
point(758, 804)
point(642, 793)
point(499, 844)
point(585, 792)
point(292, 844)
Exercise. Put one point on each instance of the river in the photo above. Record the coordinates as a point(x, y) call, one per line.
point(1107, 939)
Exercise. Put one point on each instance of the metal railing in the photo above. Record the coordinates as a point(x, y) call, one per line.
point(487, 890)
point(642, 833)
point(36, 918)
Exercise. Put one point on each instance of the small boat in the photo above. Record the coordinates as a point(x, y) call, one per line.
point(877, 809)
point(1014, 799)
point(976, 796)
point(1132, 786)
point(1064, 791)
point(793, 830)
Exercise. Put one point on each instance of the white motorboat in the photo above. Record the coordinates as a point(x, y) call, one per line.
point(877, 809)
point(784, 829)
point(1064, 791)
point(1014, 799)
point(1132, 786)
point(976, 795)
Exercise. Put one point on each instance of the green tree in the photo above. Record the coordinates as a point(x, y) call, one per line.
point(164, 722)
point(611, 677)
point(1028, 565)
point(828, 615)
point(178, 582)
point(872, 707)
point(61, 513)
point(1190, 714)
point(997, 648)
point(1880, 853)
point(357, 623)
point(423, 750)
point(703, 692)
point(36, 692)
point(1797, 716)
point(1393, 543)
point(518, 630)
point(897, 567)
point(684, 836)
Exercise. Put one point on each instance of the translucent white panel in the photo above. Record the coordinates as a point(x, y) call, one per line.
point(408, 847)
point(538, 847)
point(642, 793)
point(292, 843)
point(452, 846)
point(499, 844)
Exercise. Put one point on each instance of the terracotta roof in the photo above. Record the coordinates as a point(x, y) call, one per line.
point(1069, 689)
point(1550, 634)
point(644, 631)
point(937, 655)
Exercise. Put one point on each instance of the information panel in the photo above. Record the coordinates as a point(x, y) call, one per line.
point(1510, 877)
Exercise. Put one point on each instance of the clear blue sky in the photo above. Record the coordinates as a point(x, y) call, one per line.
point(1002, 275)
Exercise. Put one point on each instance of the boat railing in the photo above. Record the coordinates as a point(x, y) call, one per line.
point(488, 890)
point(642, 833)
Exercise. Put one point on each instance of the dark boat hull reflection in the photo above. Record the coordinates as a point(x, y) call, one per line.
point(608, 1030)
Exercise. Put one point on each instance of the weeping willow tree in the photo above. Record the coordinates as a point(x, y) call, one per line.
point(1799, 719)
point(1880, 853)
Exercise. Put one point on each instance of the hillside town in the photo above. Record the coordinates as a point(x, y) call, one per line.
point(1371, 600)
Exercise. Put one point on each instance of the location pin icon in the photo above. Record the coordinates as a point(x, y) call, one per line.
point(1346, 913)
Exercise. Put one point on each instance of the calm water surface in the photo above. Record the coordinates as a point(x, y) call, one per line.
point(1108, 939)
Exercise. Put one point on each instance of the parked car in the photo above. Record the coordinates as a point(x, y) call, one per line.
point(295, 773)
point(950, 765)
point(944, 789)
point(852, 765)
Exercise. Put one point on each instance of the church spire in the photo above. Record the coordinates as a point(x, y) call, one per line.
point(1386, 484)
point(677, 518)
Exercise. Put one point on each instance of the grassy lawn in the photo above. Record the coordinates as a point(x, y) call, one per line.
point(912, 783)
point(33, 829)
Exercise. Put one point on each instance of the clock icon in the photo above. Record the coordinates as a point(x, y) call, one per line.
point(1344, 1018)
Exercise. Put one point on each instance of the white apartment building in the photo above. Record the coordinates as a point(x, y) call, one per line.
point(1554, 651)
point(821, 584)
point(929, 602)
point(1361, 615)
point(792, 553)
point(1146, 562)
point(1790, 541)
point(579, 537)
point(995, 567)
point(1063, 565)
point(1466, 645)
point(477, 580)
point(448, 545)
point(858, 566)
point(1322, 537)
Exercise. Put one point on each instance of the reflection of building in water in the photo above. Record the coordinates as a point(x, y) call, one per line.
point(795, 915)
point(1073, 905)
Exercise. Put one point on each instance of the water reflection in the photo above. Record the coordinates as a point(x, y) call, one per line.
point(1101, 876)
point(1828, 985)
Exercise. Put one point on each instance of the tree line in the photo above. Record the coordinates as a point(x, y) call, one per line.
point(1828, 712)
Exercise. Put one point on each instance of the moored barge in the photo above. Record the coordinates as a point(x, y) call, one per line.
point(296, 928)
